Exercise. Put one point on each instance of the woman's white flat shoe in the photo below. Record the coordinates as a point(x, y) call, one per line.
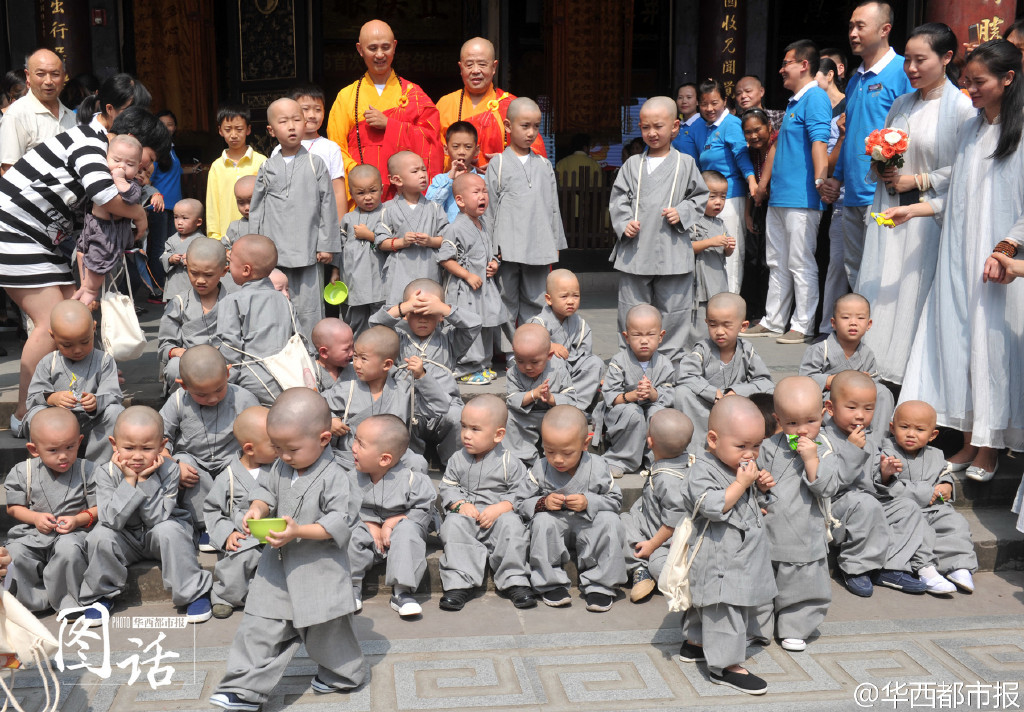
point(957, 466)
point(979, 474)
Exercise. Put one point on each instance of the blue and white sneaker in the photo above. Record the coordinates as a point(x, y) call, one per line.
point(900, 580)
point(93, 616)
point(199, 611)
point(322, 688)
point(231, 701)
point(205, 544)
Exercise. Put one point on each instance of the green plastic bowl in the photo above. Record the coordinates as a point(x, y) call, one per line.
point(336, 293)
point(259, 528)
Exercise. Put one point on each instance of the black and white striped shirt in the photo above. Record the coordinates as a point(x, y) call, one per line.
point(39, 197)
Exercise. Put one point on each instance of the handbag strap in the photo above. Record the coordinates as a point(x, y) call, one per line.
point(114, 276)
point(231, 491)
point(28, 482)
point(700, 539)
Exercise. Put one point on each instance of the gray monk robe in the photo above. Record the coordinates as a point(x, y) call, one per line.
point(468, 547)
point(660, 505)
point(412, 261)
point(293, 204)
point(948, 536)
point(301, 593)
point(48, 568)
point(657, 266)
point(827, 358)
point(362, 268)
point(584, 366)
point(702, 373)
point(400, 491)
point(596, 532)
point(141, 522)
point(223, 512)
point(522, 432)
point(731, 575)
point(96, 374)
point(876, 529)
point(797, 533)
point(176, 280)
point(254, 322)
point(184, 325)
point(624, 426)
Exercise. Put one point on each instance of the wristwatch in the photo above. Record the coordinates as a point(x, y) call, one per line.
point(818, 182)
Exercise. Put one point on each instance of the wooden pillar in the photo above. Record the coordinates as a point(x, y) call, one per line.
point(723, 42)
point(64, 28)
point(973, 20)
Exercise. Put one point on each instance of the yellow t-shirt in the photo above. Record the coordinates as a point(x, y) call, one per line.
point(221, 208)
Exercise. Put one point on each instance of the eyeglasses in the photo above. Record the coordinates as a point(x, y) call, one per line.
point(788, 62)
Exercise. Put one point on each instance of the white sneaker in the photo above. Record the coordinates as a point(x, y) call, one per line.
point(963, 580)
point(15, 426)
point(357, 593)
point(794, 644)
point(936, 583)
point(405, 604)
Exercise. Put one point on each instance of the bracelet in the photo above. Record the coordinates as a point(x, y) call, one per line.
point(393, 243)
point(542, 504)
point(1005, 247)
point(457, 506)
point(400, 314)
point(92, 519)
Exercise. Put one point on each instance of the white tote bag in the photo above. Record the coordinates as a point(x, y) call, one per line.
point(674, 581)
point(291, 367)
point(119, 328)
point(23, 639)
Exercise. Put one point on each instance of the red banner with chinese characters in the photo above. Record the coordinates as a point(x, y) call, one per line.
point(64, 28)
point(973, 21)
point(722, 44)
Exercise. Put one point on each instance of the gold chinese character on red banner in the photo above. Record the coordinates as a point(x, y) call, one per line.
point(988, 29)
point(729, 23)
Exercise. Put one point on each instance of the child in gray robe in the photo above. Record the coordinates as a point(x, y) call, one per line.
point(571, 338)
point(52, 496)
point(657, 198)
point(139, 518)
point(360, 264)
point(244, 187)
point(731, 576)
point(397, 512)
point(534, 384)
point(333, 342)
point(924, 477)
point(637, 384)
point(720, 365)
point(293, 204)
point(805, 468)
point(79, 378)
point(711, 245)
point(435, 333)
point(302, 593)
point(188, 219)
point(845, 350)
point(480, 527)
point(570, 499)
point(652, 520)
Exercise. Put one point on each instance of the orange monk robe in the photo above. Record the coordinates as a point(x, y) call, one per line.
point(412, 126)
point(487, 116)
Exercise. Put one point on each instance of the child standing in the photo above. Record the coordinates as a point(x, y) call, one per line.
point(468, 257)
point(301, 594)
point(226, 505)
point(244, 188)
point(360, 264)
point(652, 520)
point(237, 160)
point(188, 218)
point(410, 227)
point(396, 513)
point(190, 319)
point(571, 339)
point(534, 384)
point(293, 204)
point(711, 246)
point(480, 527)
point(139, 518)
point(637, 384)
point(571, 497)
point(461, 146)
point(656, 200)
point(78, 378)
point(52, 495)
point(924, 477)
point(720, 365)
point(104, 238)
point(526, 226)
point(731, 574)
point(311, 102)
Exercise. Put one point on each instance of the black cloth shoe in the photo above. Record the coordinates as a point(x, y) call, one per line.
point(455, 600)
point(522, 597)
point(749, 683)
point(598, 602)
point(556, 598)
point(690, 653)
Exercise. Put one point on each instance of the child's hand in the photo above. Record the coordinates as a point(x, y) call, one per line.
point(158, 203)
point(174, 259)
point(324, 258)
point(364, 233)
point(719, 395)
point(730, 243)
point(858, 437)
point(232, 543)
point(458, 168)
point(672, 215)
point(492, 268)
point(144, 475)
point(338, 427)
point(644, 549)
point(415, 365)
point(118, 175)
point(426, 303)
point(632, 229)
point(378, 536)
point(576, 502)
point(62, 399)
point(335, 274)
point(389, 526)
point(559, 351)
point(375, 118)
point(489, 516)
point(765, 481)
point(279, 539)
point(474, 282)
point(943, 492)
point(554, 501)
point(890, 467)
point(255, 512)
point(806, 449)
point(747, 473)
point(469, 509)
point(416, 238)
point(719, 241)
point(44, 522)
point(188, 476)
point(544, 393)
point(89, 402)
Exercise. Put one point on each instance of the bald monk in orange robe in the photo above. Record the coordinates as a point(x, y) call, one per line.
point(479, 102)
point(401, 117)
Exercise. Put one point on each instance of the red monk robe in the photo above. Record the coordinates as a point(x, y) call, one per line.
point(487, 116)
point(412, 126)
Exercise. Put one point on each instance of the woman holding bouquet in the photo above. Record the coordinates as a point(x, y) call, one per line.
point(897, 269)
point(966, 359)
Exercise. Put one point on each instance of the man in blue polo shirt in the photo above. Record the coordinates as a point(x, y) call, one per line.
point(869, 95)
point(794, 205)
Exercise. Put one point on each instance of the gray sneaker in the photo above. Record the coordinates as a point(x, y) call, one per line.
point(792, 337)
point(758, 330)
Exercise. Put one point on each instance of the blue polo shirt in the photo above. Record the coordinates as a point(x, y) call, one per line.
point(725, 150)
point(168, 183)
point(807, 119)
point(869, 96)
point(686, 141)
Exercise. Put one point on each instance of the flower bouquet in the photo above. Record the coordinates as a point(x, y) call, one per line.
point(886, 148)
